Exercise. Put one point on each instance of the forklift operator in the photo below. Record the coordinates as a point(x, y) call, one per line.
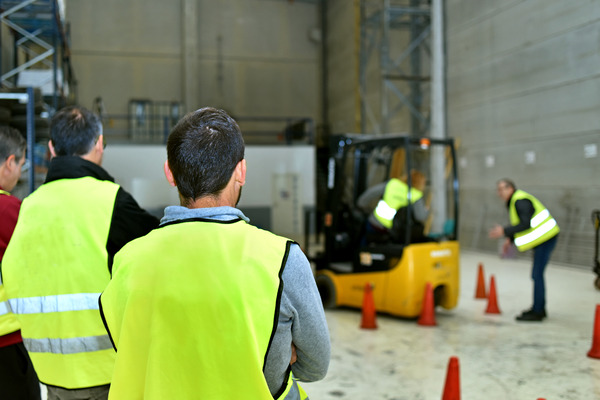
point(392, 196)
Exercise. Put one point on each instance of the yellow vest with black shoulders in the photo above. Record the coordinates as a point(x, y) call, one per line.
point(8, 321)
point(394, 198)
point(542, 226)
point(192, 308)
point(54, 270)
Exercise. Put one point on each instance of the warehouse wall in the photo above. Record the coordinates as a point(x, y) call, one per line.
point(250, 57)
point(125, 49)
point(342, 64)
point(523, 98)
point(523, 85)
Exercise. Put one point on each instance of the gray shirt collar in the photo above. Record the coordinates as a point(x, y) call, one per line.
point(177, 213)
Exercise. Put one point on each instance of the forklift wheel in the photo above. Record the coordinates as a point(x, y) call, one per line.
point(326, 290)
point(597, 283)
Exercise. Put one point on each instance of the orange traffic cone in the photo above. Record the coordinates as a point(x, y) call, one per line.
point(427, 317)
point(595, 350)
point(452, 385)
point(368, 309)
point(480, 291)
point(492, 307)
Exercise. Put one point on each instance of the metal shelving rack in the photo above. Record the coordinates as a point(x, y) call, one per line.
point(400, 32)
point(28, 98)
point(39, 73)
point(41, 40)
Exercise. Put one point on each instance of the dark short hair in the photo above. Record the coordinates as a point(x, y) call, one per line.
point(508, 183)
point(11, 142)
point(203, 150)
point(74, 131)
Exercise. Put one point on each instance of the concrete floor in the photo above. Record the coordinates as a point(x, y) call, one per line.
point(500, 359)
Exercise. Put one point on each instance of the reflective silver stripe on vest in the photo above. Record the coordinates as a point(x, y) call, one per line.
point(385, 211)
point(68, 346)
point(538, 219)
point(57, 303)
point(536, 234)
point(4, 308)
point(294, 393)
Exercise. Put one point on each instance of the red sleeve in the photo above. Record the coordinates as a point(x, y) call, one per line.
point(9, 212)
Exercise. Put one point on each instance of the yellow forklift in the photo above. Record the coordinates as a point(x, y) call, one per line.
point(399, 266)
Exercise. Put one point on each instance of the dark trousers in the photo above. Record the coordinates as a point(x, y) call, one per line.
point(541, 256)
point(91, 393)
point(18, 380)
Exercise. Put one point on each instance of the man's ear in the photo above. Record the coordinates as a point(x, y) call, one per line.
point(51, 148)
point(11, 162)
point(169, 174)
point(100, 143)
point(7, 166)
point(240, 170)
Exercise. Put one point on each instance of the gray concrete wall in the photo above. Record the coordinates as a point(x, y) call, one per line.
point(342, 64)
point(523, 98)
point(125, 49)
point(523, 85)
point(250, 57)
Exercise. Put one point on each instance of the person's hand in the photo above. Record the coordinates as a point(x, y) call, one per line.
point(496, 232)
point(294, 356)
point(506, 246)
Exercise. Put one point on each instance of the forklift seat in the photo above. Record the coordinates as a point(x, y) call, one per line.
point(377, 257)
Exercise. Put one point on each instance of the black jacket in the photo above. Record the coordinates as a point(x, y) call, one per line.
point(525, 210)
point(129, 220)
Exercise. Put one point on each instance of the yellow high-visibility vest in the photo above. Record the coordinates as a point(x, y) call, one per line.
point(395, 196)
point(542, 225)
point(192, 308)
point(54, 269)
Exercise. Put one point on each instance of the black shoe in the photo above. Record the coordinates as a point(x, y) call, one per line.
point(530, 315)
point(530, 310)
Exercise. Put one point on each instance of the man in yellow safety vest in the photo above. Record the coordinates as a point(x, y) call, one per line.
point(531, 227)
point(58, 260)
point(208, 306)
point(388, 218)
